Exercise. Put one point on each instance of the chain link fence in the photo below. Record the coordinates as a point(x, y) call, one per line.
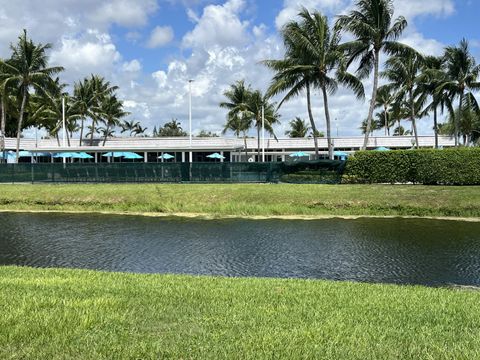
point(322, 171)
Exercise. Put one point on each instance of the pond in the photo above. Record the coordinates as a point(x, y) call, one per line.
point(405, 251)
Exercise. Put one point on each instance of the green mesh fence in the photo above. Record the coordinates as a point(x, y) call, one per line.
point(327, 172)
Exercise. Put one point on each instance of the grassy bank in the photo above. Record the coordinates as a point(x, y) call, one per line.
point(71, 314)
point(218, 200)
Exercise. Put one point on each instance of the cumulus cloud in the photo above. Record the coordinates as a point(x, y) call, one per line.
point(219, 25)
point(132, 66)
point(93, 52)
point(124, 12)
point(160, 36)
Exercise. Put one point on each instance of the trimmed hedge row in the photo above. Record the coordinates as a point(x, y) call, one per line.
point(459, 166)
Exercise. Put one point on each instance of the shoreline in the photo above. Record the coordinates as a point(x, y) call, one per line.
point(206, 216)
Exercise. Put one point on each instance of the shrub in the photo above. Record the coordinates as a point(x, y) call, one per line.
point(430, 167)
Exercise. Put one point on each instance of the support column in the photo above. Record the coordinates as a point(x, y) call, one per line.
point(190, 157)
point(145, 156)
point(221, 153)
point(283, 155)
point(96, 157)
point(183, 156)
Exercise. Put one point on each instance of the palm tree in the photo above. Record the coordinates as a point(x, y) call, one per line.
point(238, 119)
point(100, 90)
point(129, 126)
point(113, 112)
point(298, 128)
point(106, 132)
point(433, 75)
point(371, 26)
point(384, 99)
point(462, 80)
point(172, 128)
point(404, 73)
point(27, 70)
point(139, 130)
point(83, 101)
point(263, 114)
point(313, 59)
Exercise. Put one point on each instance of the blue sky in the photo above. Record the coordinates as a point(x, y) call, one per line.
point(150, 48)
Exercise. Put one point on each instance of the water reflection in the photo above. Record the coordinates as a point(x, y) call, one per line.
point(409, 251)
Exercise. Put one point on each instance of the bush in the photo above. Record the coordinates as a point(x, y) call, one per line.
point(430, 167)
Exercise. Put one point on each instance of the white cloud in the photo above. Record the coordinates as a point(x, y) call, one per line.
point(132, 66)
point(94, 52)
point(219, 25)
point(413, 8)
point(160, 36)
point(124, 12)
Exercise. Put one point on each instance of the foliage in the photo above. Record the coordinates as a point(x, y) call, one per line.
point(459, 166)
point(313, 59)
point(298, 128)
point(374, 30)
point(205, 133)
point(171, 129)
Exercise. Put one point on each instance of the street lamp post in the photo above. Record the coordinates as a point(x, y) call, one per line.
point(64, 127)
point(190, 118)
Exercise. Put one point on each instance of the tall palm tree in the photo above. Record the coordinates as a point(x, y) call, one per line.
point(385, 98)
point(139, 130)
point(374, 30)
point(83, 101)
point(313, 59)
point(238, 119)
point(263, 114)
point(129, 126)
point(462, 80)
point(433, 75)
point(298, 128)
point(112, 110)
point(404, 73)
point(100, 89)
point(28, 69)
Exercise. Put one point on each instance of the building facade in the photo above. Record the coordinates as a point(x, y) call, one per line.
point(232, 149)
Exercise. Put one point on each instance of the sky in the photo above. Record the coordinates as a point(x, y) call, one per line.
point(151, 48)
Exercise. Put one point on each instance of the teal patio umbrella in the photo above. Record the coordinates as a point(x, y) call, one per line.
point(299, 154)
point(341, 154)
point(113, 154)
point(81, 155)
point(131, 155)
point(166, 157)
point(215, 156)
point(382, 148)
point(63, 155)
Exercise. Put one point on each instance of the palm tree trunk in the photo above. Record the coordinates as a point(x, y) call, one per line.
point(258, 143)
point(327, 120)
point(372, 101)
point(68, 137)
point(435, 126)
point(245, 143)
point(20, 123)
point(93, 132)
point(387, 129)
point(412, 118)
point(58, 139)
point(81, 130)
point(457, 121)
point(312, 121)
point(106, 133)
point(2, 129)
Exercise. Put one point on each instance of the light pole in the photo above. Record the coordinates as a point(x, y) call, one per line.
point(190, 118)
point(263, 133)
point(64, 127)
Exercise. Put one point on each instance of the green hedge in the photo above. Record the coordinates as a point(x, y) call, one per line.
point(430, 167)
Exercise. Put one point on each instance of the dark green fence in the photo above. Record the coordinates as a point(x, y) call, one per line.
point(296, 172)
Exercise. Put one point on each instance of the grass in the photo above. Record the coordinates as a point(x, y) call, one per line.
point(247, 199)
point(72, 314)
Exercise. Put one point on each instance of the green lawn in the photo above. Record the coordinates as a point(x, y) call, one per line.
point(248, 199)
point(75, 314)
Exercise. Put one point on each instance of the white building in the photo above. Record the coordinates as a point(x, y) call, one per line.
point(233, 149)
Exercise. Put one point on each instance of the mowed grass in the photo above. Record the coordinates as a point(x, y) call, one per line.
point(78, 314)
point(247, 199)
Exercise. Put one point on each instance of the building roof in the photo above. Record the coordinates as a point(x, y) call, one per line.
point(213, 144)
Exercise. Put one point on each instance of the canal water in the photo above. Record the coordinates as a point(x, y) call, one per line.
point(402, 251)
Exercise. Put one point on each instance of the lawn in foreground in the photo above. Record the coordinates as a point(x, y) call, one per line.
point(247, 199)
point(72, 314)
